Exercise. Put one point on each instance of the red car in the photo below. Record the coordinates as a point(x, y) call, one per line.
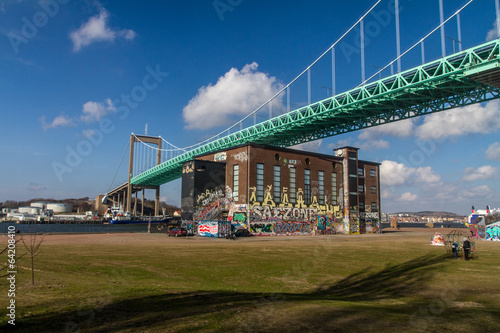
point(177, 232)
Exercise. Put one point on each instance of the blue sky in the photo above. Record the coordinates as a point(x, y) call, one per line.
point(68, 69)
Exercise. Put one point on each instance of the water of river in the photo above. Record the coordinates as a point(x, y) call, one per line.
point(75, 228)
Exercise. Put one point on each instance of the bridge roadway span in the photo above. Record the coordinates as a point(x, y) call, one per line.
point(468, 77)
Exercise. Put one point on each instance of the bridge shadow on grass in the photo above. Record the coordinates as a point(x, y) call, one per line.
point(360, 301)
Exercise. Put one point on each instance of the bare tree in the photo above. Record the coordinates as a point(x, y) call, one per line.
point(33, 249)
point(7, 264)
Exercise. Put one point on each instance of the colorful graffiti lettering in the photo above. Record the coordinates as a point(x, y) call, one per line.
point(281, 228)
point(208, 229)
point(220, 157)
point(241, 157)
point(493, 232)
point(293, 228)
point(260, 229)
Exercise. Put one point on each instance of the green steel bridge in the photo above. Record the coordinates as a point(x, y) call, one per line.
point(464, 78)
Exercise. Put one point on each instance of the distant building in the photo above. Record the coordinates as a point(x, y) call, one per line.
point(60, 208)
point(274, 191)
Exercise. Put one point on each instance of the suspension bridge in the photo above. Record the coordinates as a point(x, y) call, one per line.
point(462, 78)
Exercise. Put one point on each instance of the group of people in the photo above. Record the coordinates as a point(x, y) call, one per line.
point(466, 247)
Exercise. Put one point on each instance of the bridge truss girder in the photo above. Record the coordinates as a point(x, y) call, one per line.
point(468, 77)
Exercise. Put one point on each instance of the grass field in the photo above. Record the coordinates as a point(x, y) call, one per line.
point(394, 282)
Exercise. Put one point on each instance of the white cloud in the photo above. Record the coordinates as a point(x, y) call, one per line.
point(235, 93)
point(59, 121)
point(427, 176)
point(340, 143)
point(36, 187)
point(482, 173)
point(313, 146)
point(477, 192)
point(493, 152)
point(374, 144)
point(96, 30)
point(394, 173)
point(88, 133)
point(387, 194)
point(95, 111)
point(493, 33)
point(408, 197)
point(400, 129)
point(467, 120)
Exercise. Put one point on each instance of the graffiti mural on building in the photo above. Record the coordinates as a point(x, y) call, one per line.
point(293, 228)
point(220, 157)
point(281, 228)
point(241, 157)
point(210, 205)
point(262, 228)
point(327, 225)
point(354, 223)
point(188, 168)
point(493, 232)
point(240, 219)
point(208, 229)
point(286, 218)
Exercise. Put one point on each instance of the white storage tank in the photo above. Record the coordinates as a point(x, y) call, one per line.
point(59, 208)
point(30, 210)
point(39, 204)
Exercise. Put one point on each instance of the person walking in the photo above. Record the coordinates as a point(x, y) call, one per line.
point(454, 250)
point(466, 247)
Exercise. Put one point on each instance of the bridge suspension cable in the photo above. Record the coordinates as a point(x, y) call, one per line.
point(417, 43)
point(288, 85)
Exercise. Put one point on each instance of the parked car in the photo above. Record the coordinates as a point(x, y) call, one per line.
point(242, 232)
point(177, 232)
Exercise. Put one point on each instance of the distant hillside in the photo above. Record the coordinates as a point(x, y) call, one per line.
point(432, 214)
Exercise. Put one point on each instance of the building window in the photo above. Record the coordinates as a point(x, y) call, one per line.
point(374, 206)
point(236, 182)
point(260, 182)
point(334, 189)
point(361, 172)
point(307, 187)
point(373, 189)
point(321, 187)
point(361, 206)
point(293, 187)
point(361, 188)
point(277, 184)
point(372, 173)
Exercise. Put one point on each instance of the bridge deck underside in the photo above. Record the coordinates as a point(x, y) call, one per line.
point(466, 78)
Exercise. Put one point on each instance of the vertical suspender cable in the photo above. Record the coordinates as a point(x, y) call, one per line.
point(423, 52)
point(362, 34)
point(288, 99)
point(441, 17)
point(497, 8)
point(459, 30)
point(333, 72)
point(398, 37)
point(308, 87)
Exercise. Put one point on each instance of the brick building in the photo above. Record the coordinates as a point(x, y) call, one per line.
point(273, 191)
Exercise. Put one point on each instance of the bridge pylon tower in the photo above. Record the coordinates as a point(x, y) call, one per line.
point(134, 188)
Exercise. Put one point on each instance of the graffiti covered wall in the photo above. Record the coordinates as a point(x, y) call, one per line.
point(493, 232)
point(208, 229)
point(299, 218)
